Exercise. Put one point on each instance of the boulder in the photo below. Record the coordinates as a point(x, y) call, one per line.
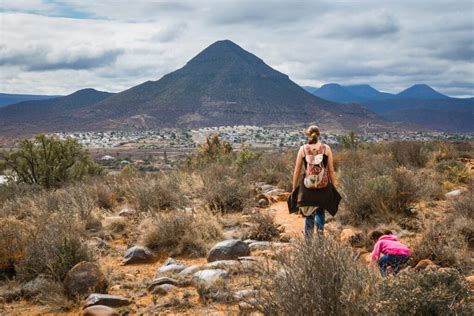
point(107, 300)
point(99, 310)
point(85, 278)
point(425, 264)
point(164, 289)
point(171, 266)
point(208, 277)
point(352, 236)
point(228, 250)
point(138, 254)
point(223, 264)
point(161, 281)
point(191, 269)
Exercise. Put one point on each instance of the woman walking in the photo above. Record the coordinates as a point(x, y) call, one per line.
point(316, 191)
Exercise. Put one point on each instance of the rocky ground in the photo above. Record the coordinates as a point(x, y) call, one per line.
point(139, 282)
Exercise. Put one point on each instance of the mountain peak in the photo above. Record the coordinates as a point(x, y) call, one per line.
point(421, 91)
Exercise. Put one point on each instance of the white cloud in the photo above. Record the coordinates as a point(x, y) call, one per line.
point(115, 44)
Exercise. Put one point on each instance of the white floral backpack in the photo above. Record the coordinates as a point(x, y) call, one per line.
point(316, 174)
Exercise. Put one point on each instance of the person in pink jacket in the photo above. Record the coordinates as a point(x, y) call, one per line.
point(393, 252)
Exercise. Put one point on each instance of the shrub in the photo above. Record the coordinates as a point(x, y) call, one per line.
point(50, 162)
point(441, 292)
point(272, 168)
point(464, 205)
point(445, 244)
point(152, 194)
point(54, 247)
point(376, 190)
point(264, 227)
point(224, 189)
point(414, 154)
point(319, 277)
point(181, 233)
point(453, 171)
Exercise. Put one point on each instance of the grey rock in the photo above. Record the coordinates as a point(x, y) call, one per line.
point(164, 289)
point(454, 193)
point(250, 241)
point(161, 281)
point(228, 250)
point(192, 269)
point(260, 245)
point(138, 254)
point(99, 310)
point(223, 264)
point(208, 277)
point(107, 300)
point(267, 188)
point(171, 268)
point(243, 294)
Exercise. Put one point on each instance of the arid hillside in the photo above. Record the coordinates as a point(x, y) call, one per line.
point(213, 235)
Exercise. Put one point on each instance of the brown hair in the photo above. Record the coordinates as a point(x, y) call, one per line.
point(376, 234)
point(313, 134)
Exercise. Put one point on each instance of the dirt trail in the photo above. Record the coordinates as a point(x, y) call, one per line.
point(293, 223)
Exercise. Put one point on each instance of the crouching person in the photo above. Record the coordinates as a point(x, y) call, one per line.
point(393, 252)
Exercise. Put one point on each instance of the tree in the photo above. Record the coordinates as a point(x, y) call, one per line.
point(350, 141)
point(50, 162)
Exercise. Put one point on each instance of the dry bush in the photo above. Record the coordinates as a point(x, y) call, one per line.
point(263, 227)
point(429, 292)
point(12, 242)
point(453, 171)
point(106, 198)
point(446, 243)
point(273, 168)
point(464, 205)
point(410, 153)
point(376, 190)
point(155, 193)
point(54, 246)
point(180, 232)
point(224, 189)
point(319, 277)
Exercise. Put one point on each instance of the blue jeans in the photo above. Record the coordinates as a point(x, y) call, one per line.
point(319, 214)
point(393, 261)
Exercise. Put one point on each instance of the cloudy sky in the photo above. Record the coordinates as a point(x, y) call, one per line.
point(57, 47)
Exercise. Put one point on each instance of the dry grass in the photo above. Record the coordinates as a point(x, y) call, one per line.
point(318, 277)
point(180, 232)
point(263, 227)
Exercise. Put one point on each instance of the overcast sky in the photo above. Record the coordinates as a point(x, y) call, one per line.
point(58, 47)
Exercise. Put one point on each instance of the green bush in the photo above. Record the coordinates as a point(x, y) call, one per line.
point(50, 162)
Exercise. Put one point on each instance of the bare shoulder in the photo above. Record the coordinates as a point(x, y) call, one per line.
point(328, 148)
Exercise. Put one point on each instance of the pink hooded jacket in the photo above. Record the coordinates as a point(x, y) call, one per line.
point(389, 245)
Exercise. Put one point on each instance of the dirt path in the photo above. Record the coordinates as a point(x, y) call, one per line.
point(293, 223)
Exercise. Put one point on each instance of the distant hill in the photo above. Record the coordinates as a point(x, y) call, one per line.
point(336, 93)
point(42, 115)
point(423, 92)
point(9, 98)
point(367, 92)
point(222, 85)
point(420, 104)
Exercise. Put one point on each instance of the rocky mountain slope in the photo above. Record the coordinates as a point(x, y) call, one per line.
point(222, 85)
